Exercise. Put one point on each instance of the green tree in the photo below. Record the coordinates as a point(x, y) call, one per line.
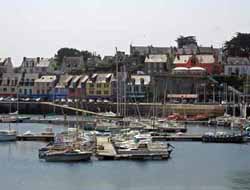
point(69, 52)
point(186, 40)
point(239, 45)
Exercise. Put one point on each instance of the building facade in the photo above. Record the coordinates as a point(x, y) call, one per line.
point(99, 86)
point(156, 64)
point(43, 87)
point(237, 66)
point(138, 87)
point(9, 84)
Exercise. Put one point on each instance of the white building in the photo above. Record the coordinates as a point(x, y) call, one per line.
point(9, 84)
point(44, 85)
point(237, 66)
point(156, 64)
point(37, 65)
point(26, 84)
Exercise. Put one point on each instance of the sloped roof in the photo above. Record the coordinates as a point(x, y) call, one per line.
point(63, 81)
point(205, 58)
point(100, 77)
point(180, 69)
point(197, 69)
point(238, 61)
point(182, 59)
point(83, 80)
point(75, 79)
point(47, 78)
point(138, 79)
point(44, 62)
point(159, 58)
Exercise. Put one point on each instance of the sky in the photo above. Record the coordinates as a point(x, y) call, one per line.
point(38, 28)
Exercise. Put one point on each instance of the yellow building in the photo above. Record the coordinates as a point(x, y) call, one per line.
point(100, 86)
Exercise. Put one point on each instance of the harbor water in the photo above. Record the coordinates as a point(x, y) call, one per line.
point(194, 165)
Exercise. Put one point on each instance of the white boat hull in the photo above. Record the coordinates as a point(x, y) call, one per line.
point(11, 137)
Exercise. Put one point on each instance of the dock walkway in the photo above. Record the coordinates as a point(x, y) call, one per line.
point(108, 149)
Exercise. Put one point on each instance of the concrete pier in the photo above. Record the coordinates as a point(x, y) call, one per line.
point(105, 149)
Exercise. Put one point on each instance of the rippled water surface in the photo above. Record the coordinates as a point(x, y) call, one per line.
point(193, 166)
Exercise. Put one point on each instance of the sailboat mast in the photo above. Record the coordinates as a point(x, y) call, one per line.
point(117, 85)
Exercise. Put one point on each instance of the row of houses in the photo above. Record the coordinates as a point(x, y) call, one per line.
point(96, 86)
point(161, 60)
point(153, 61)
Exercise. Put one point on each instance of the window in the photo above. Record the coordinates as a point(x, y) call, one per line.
point(106, 92)
point(38, 91)
point(106, 85)
point(12, 89)
point(25, 91)
point(230, 71)
point(5, 89)
point(91, 92)
point(98, 92)
point(136, 88)
point(91, 85)
point(20, 91)
point(99, 85)
point(30, 90)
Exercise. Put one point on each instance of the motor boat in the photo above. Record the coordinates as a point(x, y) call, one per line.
point(8, 135)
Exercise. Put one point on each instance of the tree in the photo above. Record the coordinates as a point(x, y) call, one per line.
point(186, 40)
point(69, 52)
point(239, 45)
point(86, 54)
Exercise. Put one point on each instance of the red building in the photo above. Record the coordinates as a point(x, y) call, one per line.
point(206, 61)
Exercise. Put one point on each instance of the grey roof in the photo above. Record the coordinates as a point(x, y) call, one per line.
point(83, 80)
point(101, 78)
point(44, 62)
point(139, 78)
point(47, 78)
point(156, 58)
point(64, 81)
point(238, 61)
point(143, 50)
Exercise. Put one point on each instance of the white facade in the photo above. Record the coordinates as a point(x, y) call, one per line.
point(45, 84)
point(9, 84)
point(26, 84)
point(237, 66)
point(156, 64)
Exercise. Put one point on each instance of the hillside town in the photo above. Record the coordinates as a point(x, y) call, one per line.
point(186, 73)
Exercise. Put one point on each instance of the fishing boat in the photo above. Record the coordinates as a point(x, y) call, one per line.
point(68, 155)
point(222, 137)
point(8, 135)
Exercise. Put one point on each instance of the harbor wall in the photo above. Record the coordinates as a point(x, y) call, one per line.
point(132, 109)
